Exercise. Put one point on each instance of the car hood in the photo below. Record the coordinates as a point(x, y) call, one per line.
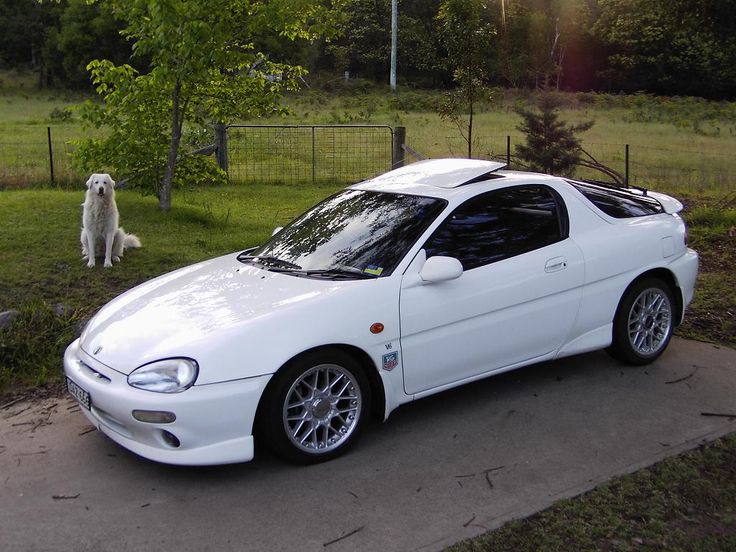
point(187, 313)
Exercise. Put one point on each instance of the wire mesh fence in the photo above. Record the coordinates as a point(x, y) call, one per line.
point(42, 157)
point(648, 166)
point(350, 153)
point(303, 154)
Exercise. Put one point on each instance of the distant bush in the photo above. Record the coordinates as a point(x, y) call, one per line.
point(61, 115)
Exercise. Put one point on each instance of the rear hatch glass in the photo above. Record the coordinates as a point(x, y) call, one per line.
point(619, 203)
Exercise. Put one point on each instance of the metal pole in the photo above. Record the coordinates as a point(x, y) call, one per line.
point(626, 160)
point(51, 155)
point(394, 41)
point(508, 151)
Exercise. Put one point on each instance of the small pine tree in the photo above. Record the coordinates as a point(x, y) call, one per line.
point(552, 145)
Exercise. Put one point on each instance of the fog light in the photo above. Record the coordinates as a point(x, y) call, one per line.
point(154, 417)
point(170, 439)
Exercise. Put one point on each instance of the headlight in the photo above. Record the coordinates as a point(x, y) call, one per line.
point(172, 375)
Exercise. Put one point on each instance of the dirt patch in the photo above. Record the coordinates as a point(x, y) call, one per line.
point(15, 396)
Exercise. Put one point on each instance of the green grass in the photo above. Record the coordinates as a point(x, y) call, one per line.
point(684, 503)
point(711, 219)
point(42, 267)
point(25, 114)
point(676, 144)
point(683, 145)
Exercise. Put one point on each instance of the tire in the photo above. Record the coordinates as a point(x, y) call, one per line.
point(315, 407)
point(644, 321)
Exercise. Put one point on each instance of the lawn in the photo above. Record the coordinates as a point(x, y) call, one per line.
point(676, 144)
point(42, 274)
point(684, 503)
point(683, 146)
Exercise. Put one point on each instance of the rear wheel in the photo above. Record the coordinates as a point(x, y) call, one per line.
point(315, 407)
point(643, 325)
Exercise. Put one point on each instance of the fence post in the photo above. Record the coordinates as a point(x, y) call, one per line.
point(51, 155)
point(626, 165)
point(399, 139)
point(508, 151)
point(313, 157)
point(221, 146)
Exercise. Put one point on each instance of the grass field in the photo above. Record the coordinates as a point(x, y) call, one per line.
point(42, 274)
point(676, 144)
point(684, 503)
point(684, 145)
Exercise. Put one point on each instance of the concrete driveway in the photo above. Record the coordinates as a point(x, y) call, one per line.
point(440, 470)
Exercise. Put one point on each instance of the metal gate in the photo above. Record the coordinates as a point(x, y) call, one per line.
point(308, 153)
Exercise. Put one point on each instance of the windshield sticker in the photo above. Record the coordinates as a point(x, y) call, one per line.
point(391, 361)
point(373, 269)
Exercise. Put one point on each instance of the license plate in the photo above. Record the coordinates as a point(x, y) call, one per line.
point(78, 393)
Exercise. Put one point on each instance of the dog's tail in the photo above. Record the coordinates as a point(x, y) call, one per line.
point(130, 241)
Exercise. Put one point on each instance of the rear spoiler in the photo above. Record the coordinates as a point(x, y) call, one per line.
point(669, 204)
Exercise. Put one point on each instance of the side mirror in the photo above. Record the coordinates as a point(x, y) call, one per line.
point(277, 230)
point(440, 269)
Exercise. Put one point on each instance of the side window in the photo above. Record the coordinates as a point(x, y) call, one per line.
point(500, 224)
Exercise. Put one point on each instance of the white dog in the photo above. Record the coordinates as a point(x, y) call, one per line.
point(100, 223)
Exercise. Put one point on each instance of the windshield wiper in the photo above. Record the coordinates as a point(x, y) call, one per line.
point(337, 272)
point(268, 261)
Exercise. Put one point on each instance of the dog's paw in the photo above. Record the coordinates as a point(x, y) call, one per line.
point(108, 263)
point(91, 262)
point(116, 259)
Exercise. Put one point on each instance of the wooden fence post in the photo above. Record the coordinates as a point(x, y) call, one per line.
point(399, 139)
point(221, 143)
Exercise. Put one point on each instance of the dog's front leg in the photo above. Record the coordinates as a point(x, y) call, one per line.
point(109, 238)
point(85, 249)
point(90, 239)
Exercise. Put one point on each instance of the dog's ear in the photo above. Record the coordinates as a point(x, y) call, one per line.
point(89, 181)
point(112, 182)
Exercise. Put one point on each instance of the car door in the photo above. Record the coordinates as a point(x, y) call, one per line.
point(516, 300)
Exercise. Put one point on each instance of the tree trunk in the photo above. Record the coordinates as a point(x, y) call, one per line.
point(164, 198)
point(470, 131)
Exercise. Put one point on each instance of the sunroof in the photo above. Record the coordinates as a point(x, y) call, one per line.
point(442, 173)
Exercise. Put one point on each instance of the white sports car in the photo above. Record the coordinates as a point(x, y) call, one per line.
point(422, 279)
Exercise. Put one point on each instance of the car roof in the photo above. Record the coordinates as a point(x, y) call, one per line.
point(445, 178)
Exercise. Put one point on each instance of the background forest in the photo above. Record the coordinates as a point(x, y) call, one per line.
point(666, 47)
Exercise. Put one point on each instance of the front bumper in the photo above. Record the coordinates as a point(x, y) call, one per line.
point(213, 423)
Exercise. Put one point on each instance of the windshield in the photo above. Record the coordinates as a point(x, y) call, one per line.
point(354, 233)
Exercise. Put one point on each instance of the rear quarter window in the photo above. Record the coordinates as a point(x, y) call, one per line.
point(618, 203)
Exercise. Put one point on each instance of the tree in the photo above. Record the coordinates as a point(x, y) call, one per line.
point(85, 32)
point(467, 35)
point(674, 47)
point(24, 24)
point(551, 145)
point(363, 46)
point(205, 69)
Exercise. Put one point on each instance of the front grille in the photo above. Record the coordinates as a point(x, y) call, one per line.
point(93, 373)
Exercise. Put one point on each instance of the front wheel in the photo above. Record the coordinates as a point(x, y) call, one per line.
point(315, 407)
point(643, 324)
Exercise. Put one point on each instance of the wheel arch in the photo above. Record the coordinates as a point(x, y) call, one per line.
point(377, 390)
point(667, 277)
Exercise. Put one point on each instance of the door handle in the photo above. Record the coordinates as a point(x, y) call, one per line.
point(556, 264)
